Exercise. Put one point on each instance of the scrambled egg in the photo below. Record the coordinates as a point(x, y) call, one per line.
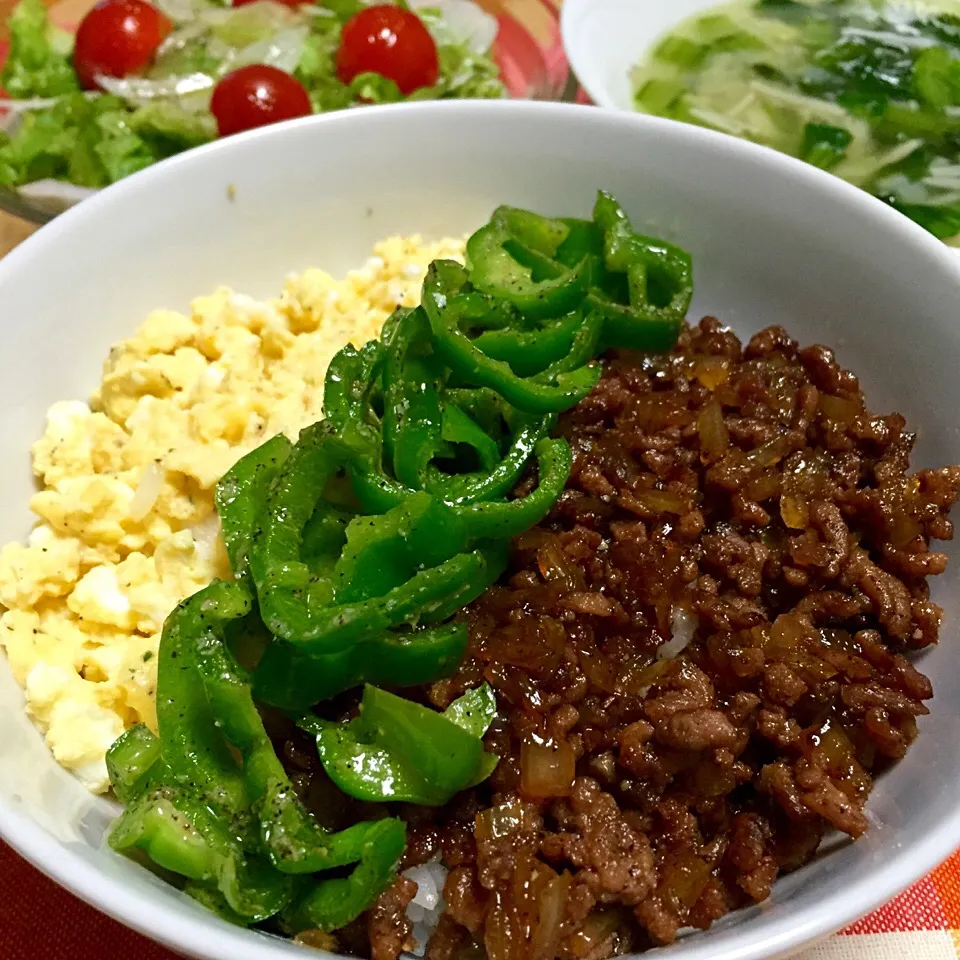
point(127, 524)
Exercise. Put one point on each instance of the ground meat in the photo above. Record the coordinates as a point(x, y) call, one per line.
point(387, 924)
point(699, 657)
point(751, 486)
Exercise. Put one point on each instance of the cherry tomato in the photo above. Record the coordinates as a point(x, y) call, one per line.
point(255, 96)
point(390, 41)
point(117, 38)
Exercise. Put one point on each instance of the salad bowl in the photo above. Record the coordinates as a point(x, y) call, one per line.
point(486, 49)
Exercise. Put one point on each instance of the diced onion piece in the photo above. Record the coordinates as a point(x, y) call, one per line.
point(795, 513)
point(661, 501)
point(547, 769)
point(147, 492)
point(788, 630)
point(714, 436)
point(317, 939)
point(141, 90)
point(712, 371)
point(838, 408)
point(551, 907)
point(428, 896)
point(499, 821)
point(683, 627)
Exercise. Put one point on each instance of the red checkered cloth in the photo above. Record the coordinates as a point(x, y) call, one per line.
point(39, 921)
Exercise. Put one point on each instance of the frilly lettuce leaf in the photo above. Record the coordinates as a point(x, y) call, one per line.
point(38, 63)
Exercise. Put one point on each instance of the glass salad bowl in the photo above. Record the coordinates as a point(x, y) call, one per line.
point(521, 37)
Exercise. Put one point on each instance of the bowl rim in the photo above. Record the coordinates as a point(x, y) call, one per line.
point(191, 934)
point(572, 12)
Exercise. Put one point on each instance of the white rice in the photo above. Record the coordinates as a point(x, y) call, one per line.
point(427, 906)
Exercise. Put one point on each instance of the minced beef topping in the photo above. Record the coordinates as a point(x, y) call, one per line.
point(700, 657)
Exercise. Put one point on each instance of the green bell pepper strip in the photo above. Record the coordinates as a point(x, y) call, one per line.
point(654, 271)
point(378, 493)
point(305, 609)
point(412, 413)
point(458, 428)
point(449, 309)
point(293, 840)
point(130, 760)
point(351, 384)
point(474, 711)
point(485, 407)
point(333, 904)
point(511, 258)
point(529, 352)
point(324, 536)
point(532, 230)
point(191, 744)
point(505, 519)
point(328, 628)
point(292, 680)
point(383, 552)
point(481, 518)
point(396, 750)
point(584, 241)
point(284, 582)
point(179, 832)
point(472, 487)
point(215, 902)
point(240, 496)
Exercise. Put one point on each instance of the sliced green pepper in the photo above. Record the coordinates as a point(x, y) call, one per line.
point(290, 679)
point(450, 307)
point(351, 386)
point(324, 536)
point(505, 519)
point(240, 496)
point(531, 351)
point(511, 258)
point(179, 832)
point(399, 750)
point(192, 747)
point(130, 759)
point(328, 628)
point(383, 552)
point(333, 904)
point(659, 284)
point(292, 838)
point(459, 429)
point(412, 413)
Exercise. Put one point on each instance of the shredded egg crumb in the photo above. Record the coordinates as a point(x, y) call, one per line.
point(127, 526)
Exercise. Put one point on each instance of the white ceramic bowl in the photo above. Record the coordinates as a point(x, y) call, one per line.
point(604, 39)
point(773, 240)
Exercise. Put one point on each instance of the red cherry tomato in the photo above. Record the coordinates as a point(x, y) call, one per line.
point(117, 38)
point(255, 96)
point(390, 41)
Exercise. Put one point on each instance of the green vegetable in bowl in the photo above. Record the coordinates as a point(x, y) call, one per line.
point(354, 551)
point(93, 111)
point(870, 92)
point(398, 750)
